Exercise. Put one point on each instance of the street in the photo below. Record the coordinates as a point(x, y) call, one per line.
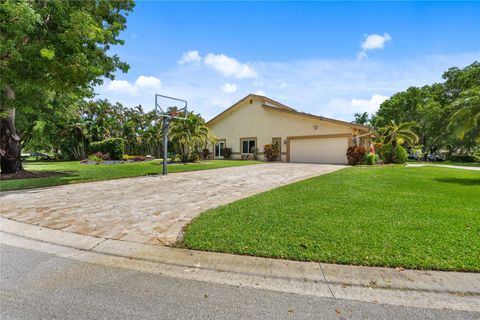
point(37, 285)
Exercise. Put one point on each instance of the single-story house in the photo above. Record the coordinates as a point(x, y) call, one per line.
point(254, 121)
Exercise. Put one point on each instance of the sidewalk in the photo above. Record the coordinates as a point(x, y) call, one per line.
point(426, 289)
point(443, 166)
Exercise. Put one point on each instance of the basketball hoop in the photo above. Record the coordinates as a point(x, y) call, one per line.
point(169, 108)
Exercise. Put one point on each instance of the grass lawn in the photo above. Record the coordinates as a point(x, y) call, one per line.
point(393, 216)
point(76, 172)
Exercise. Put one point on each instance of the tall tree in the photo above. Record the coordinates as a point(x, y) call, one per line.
point(432, 107)
point(467, 117)
point(54, 46)
point(361, 119)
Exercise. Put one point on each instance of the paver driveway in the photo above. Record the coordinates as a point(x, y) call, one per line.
point(147, 209)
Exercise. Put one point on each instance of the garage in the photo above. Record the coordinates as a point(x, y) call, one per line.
point(318, 149)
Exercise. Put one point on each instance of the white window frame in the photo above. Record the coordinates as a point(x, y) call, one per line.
point(220, 149)
point(250, 149)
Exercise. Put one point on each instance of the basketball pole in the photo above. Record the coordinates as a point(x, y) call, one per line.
point(166, 122)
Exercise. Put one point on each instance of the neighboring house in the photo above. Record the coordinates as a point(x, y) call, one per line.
point(254, 121)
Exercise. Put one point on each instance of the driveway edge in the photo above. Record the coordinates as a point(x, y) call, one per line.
point(426, 289)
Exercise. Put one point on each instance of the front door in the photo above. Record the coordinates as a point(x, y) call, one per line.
point(278, 142)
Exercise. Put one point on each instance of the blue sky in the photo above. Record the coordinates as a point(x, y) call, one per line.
point(327, 58)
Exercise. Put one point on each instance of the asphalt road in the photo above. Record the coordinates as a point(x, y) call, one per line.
point(35, 285)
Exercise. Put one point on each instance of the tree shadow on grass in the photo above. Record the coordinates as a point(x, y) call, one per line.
point(40, 179)
point(460, 181)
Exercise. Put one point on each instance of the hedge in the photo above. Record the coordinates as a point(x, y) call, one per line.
point(114, 147)
point(463, 158)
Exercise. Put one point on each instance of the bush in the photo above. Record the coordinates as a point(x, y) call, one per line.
point(205, 154)
point(271, 152)
point(389, 155)
point(177, 158)
point(356, 155)
point(195, 156)
point(99, 157)
point(463, 158)
point(400, 155)
point(114, 147)
point(226, 153)
point(372, 158)
point(385, 153)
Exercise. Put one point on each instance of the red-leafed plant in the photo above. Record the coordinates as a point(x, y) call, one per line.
point(271, 152)
point(356, 155)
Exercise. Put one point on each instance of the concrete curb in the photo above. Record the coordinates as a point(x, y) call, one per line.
point(427, 289)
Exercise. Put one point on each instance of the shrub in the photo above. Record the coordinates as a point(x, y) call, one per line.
point(372, 158)
point(463, 158)
point(271, 152)
point(356, 155)
point(227, 153)
point(99, 157)
point(390, 155)
point(195, 156)
point(205, 154)
point(385, 153)
point(400, 155)
point(177, 158)
point(114, 147)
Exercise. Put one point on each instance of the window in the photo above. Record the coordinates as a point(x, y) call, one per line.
point(248, 146)
point(219, 148)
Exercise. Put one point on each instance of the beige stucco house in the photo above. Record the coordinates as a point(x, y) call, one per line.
point(254, 121)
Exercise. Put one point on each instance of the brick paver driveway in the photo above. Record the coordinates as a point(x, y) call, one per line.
point(147, 209)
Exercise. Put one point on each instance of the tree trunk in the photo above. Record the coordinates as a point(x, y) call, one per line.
point(10, 148)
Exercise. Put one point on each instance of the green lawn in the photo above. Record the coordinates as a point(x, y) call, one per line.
point(393, 216)
point(76, 172)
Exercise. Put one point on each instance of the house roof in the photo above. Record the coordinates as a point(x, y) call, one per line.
point(270, 104)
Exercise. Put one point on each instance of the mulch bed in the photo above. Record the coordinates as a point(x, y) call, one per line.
point(29, 175)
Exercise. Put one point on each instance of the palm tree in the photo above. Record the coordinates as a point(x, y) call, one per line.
point(190, 134)
point(400, 133)
point(467, 117)
point(361, 119)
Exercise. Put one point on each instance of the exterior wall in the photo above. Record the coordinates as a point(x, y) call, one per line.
point(252, 120)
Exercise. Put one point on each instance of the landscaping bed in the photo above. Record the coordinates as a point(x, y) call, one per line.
point(392, 216)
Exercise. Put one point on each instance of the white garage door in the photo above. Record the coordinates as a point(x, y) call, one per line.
point(319, 150)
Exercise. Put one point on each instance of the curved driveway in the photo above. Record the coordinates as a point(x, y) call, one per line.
point(151, 209)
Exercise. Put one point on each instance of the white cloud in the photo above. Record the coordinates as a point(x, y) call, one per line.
point(260, 93)
point(142, 82)
point(229, 67)
point(229, 88)
point(148, 82)
point(190, 57)
point(121, 86)
point(371, 42)
point(335, 88)
point(370, 106)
